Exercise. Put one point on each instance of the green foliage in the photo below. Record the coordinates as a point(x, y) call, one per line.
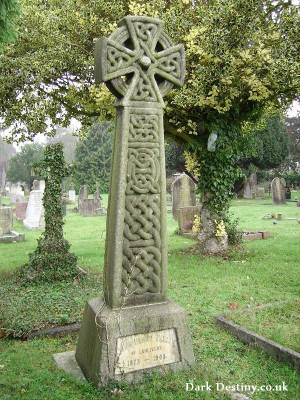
point(241, 57)
point(52, 260)
point(93, 158)
point(42, 306)
point(174, 158)
point(293, 129)
point(235, 235)
point(9, 11)
point(20, 165)
point(267, 148)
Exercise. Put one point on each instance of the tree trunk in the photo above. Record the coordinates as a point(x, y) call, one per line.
point(208, 241)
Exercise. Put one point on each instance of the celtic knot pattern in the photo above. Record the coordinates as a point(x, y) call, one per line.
point(143, 171)
point(116, 58)
point(143, 128)
point(141, 245)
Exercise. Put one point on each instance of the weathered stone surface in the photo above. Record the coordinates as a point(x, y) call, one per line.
point(278, 187)
point(260, 192)
point(135, 305)
point(34, 218)
point(136, 328)
point(183, 194)
point(6, 220)
point(89, 207)
point(100, 357)
point(207, 239)
point(249, 190)
point(21, 211)
point(16, 193)
point(68, 363)
point(186, 216)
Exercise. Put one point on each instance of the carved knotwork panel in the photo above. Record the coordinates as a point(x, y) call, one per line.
point(138, 61)
point(142, 235)
point(141, 246)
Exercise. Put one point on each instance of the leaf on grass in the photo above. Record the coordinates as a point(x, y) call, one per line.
point(233, 305)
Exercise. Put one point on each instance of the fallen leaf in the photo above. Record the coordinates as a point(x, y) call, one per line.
point(251, 298)
point(233, 305)
point(244, 296)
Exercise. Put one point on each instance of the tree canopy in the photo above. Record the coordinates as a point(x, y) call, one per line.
point(93, 158)
point(241, 57)
point(20, 165)
point(9, 11)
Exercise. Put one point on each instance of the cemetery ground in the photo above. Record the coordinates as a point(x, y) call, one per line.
point(262, 272)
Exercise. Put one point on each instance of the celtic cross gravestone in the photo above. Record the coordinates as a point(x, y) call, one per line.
point(136, 327)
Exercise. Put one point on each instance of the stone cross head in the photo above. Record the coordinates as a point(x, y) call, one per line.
point(138, 62)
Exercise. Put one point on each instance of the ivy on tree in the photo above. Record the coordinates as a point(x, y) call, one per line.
point(52, 259)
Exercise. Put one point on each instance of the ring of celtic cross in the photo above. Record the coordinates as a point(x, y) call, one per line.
point(138, 61)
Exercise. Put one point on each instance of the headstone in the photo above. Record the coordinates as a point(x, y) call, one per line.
point(72, 193)
point(21, 211)
point(186, 217)
point(41, 185)
point(136, 328)
point(34, 218)
point(183, 193)
point(249, 190)
point(278, 190)
point(89, 207)
point(260, 192)
point(6, 227)
point(16, 193)
point(6, 220)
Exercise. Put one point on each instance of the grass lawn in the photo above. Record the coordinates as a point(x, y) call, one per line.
point(265, 271)
point(280, 323)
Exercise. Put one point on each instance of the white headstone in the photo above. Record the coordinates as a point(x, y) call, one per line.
point(35, 211)
point(72, 195)
point(16, 193)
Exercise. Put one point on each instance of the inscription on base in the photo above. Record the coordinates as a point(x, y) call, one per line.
point(146, 350)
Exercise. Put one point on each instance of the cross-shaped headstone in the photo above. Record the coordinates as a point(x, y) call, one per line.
point(139, 65)
point(136, 327)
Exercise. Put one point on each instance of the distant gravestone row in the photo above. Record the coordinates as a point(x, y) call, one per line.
point(89, 207)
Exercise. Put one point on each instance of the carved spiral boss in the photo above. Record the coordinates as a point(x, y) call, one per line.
point(139, 65)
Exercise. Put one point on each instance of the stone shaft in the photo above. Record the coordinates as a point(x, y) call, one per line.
point(136, 221)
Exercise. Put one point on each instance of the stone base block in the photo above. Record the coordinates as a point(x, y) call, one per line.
point(12, 237)
point(124, 343)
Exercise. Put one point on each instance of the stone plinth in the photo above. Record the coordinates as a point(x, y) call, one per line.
point(183, 194)
point(21, 211)
point(186, 216)
point(132, 340)
point(34, 218)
